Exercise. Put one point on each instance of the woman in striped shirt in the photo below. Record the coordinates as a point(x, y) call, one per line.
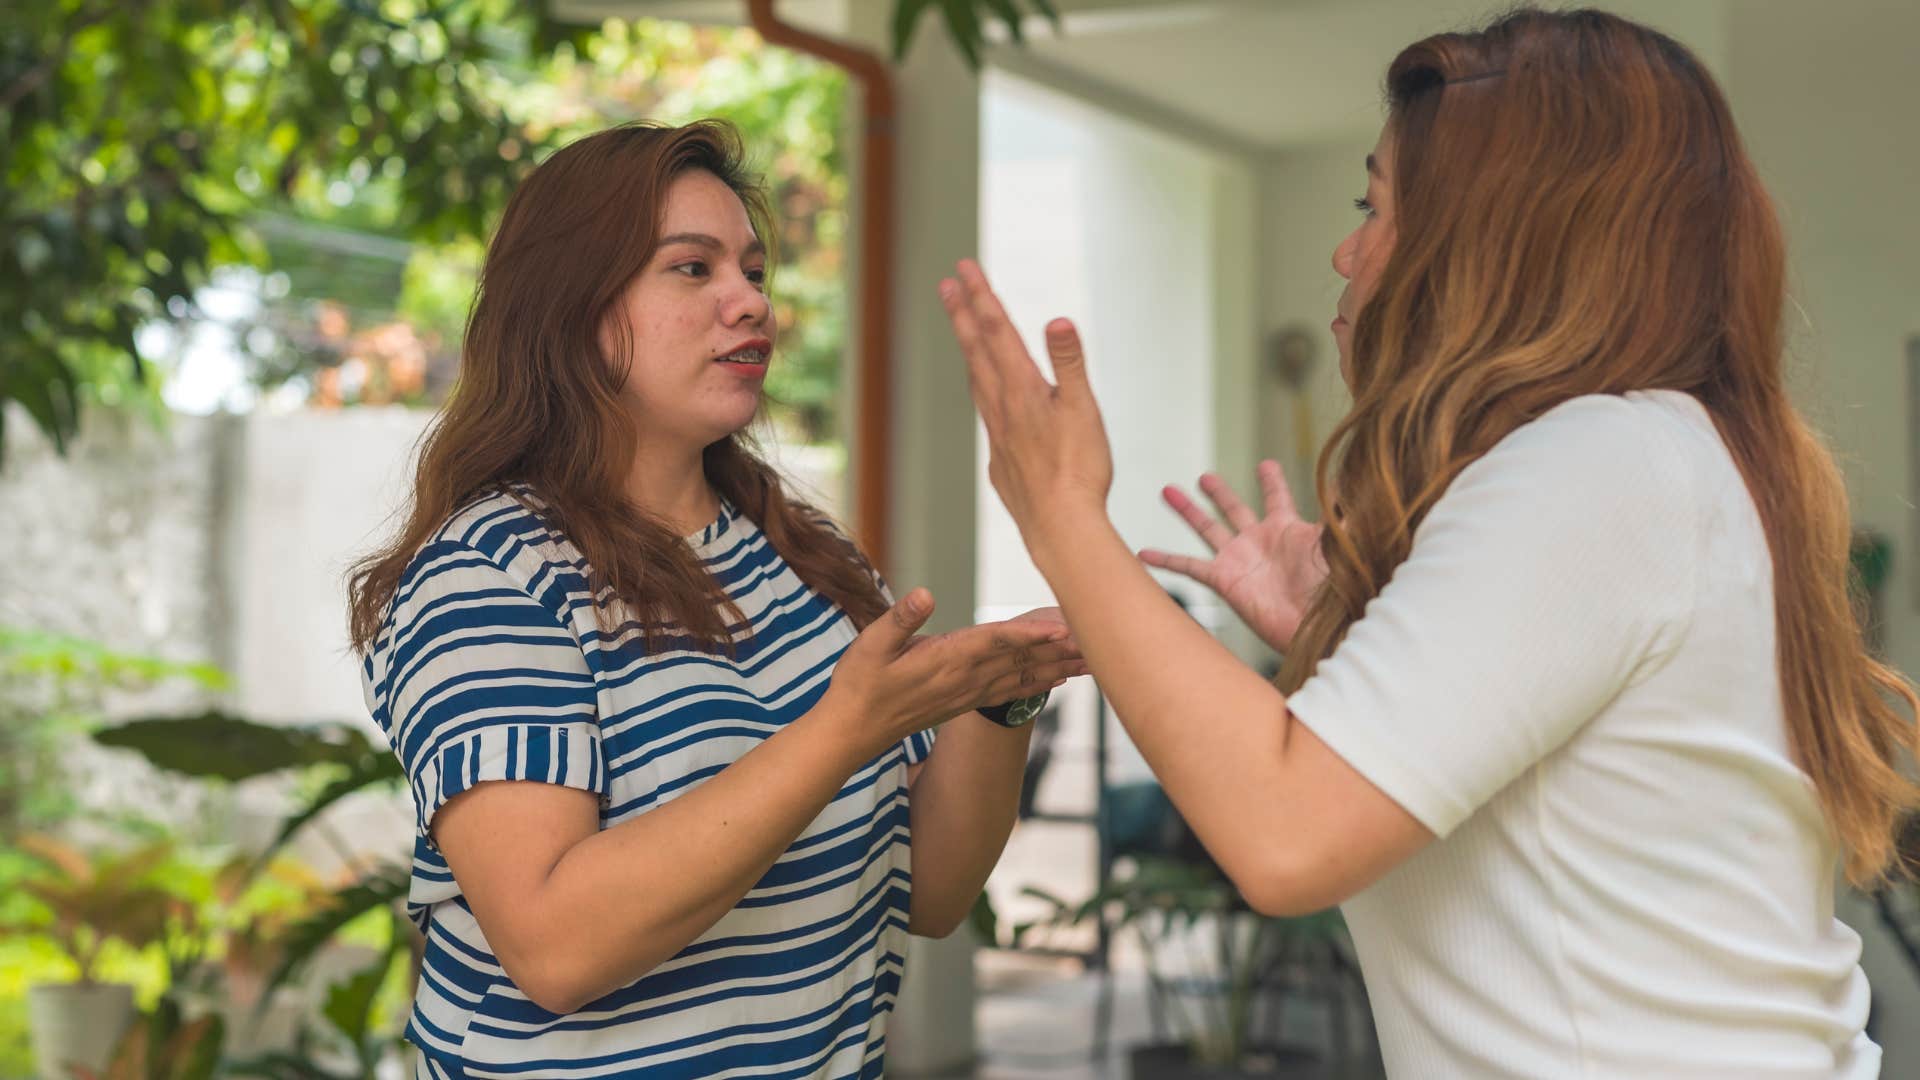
point(660, 720)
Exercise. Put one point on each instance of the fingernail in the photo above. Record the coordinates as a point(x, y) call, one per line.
point(948, 288)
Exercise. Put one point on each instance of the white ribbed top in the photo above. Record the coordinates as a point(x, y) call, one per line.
point(1572, 682)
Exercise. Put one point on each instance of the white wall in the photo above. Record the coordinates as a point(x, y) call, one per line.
point(1823, 94)
point(1087, 215)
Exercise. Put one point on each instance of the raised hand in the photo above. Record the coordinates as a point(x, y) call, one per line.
point(1048, 455)
point(892, 682)
point(1265, 568)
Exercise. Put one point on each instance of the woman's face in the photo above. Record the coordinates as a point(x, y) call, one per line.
point(1363, 254)
point(701, 329)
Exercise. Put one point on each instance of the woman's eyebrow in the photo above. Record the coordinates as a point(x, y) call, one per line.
point(711, 243)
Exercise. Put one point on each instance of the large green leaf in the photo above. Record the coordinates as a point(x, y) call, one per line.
point(349, 1006)
point(383, 888)
point(378, 769)
point(220, 745)
point(906, 16)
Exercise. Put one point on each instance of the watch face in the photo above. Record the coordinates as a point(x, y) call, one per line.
point(1023, 711)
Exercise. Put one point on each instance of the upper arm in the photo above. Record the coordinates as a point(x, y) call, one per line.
point(491, 706)
point(501, 839)
point(1348, 833)
point(1553, 573)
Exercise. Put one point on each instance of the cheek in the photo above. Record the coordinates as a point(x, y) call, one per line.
point(1369, 260)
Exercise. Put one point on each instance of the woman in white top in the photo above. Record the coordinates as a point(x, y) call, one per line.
point(1575, 720)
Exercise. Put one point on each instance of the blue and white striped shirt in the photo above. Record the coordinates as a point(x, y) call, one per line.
point(491, 666)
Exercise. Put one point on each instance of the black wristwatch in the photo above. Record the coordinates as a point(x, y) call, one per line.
point(1016, 713)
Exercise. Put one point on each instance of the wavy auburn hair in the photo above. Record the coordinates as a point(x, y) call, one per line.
point(1576, 215)
point(538, 401)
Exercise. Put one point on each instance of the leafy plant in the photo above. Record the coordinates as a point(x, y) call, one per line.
point(220, 747)
point(966, 22)
point(163, 1045)
point(1168, 903)
point(86, 902)
point(51, 691)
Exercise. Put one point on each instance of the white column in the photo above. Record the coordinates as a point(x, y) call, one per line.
point(936, 215)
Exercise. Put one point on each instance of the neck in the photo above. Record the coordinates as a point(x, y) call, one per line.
point(671, 484)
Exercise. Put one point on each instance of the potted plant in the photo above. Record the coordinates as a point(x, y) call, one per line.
point(80, 904)
point(164, 1045)
point(269, 959)
point(1221, 977)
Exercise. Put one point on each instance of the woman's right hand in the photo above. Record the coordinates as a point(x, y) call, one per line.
point(1266, 569)
point(891, 682)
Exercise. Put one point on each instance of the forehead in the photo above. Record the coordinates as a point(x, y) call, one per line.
point(1381, 158)
point(698, 201)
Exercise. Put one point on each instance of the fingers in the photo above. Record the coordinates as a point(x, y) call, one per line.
point(1273, 482)
point(1200, 570)
point(891, 633)
point(1005, 354)
point(1212, 533)
point(1228, 502)
point(1031, 681)
point(1069, 360)
point(983, 383)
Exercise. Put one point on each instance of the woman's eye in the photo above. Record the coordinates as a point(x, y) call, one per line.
point(1361, 204)
point(758, 276)
point(691, 269)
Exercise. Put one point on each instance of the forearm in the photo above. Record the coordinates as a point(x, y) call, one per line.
point(963, 808)
point(1212, 729)
point(651, 885)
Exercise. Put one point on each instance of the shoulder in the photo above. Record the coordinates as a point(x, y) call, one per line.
point(496, 542)
point(1604, 452)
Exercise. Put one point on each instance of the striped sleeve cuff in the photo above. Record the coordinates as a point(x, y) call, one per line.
point(565, 754)
point(919, 745)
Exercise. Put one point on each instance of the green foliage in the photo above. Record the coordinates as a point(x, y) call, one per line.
point(51, 686)
point(83, 902)
point(143, 146)
point(267, 953)
point(1166, 902)
point(217, 745)
point(966, 22)
point(136, 138)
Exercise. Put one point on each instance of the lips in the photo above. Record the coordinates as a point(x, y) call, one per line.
point(753, 353)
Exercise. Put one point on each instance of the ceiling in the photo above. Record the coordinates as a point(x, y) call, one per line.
point(1255, 74)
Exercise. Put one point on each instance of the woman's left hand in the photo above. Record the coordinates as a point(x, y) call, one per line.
point(1048, 455)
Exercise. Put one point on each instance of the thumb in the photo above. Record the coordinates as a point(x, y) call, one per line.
point(1069, 359)
point(891, 631)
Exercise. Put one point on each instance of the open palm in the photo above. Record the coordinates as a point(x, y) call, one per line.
point(1265, 568)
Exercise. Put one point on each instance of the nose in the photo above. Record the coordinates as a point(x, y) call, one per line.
point(1343, 255)
point(743, 304)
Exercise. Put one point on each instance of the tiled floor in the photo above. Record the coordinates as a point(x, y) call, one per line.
point(1037, 1019)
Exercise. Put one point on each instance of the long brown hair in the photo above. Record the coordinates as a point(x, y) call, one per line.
point(537, 401)
point(1577, 215)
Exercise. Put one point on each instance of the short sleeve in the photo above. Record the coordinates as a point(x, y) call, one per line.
point(1554, 572)
point(482, 682)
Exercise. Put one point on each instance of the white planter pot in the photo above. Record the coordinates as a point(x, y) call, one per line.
point(77, 1024)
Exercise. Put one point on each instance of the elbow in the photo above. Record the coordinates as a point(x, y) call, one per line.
point(934, 925)
point(550, 982)
point(1283, 889)
point(554, 971)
